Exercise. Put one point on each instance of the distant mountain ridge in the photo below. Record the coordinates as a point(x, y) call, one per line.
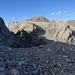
point(57, 30)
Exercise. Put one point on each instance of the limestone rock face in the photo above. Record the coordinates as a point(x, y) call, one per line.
point(63, 31)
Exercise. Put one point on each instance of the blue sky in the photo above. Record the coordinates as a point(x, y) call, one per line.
point(19, 10)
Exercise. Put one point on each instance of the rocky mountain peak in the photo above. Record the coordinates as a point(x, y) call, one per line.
point(39, 19)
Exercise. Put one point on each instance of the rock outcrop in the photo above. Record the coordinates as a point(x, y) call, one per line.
point(32, 29)
point(25, 39)
point(63, 31)
point(6, 37)
point(10, 39)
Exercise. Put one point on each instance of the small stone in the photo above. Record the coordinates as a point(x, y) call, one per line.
point(49, 49)
point(61, 71)
point(70, 74)
point(65, 56)
point(15, 72)
point(70, 48)
point(25, 62)
point(2, 68)
point(70, 64)
point(40, 46)
point(63, 49)
point(38, 50)
point(59, 64)
point(35, 72)
point(10, 49)
point(2, 74)
point(46, 61)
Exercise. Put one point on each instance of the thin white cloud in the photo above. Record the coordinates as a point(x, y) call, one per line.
point(69, 14)
point(65, 12)
point(73, 13)
point(24, 17)
point(53, 13)
point(58, 13)
point(13, 18)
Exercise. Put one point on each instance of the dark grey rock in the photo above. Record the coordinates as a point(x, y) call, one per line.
point(10, 39)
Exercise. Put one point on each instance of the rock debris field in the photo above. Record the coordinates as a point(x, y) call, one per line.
point(51, 59)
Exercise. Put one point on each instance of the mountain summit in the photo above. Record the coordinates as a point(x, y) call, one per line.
point(39, 19)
